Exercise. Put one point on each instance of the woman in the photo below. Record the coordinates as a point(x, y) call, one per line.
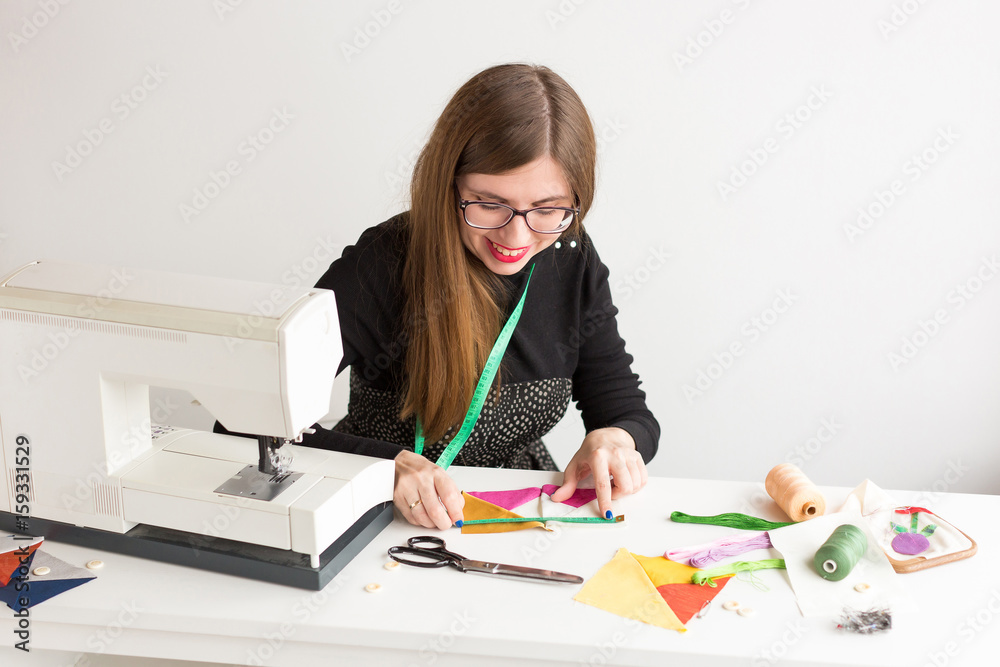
point(498, 194)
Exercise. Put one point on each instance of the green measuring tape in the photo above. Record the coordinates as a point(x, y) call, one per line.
point(543, 519)
point(482, 388)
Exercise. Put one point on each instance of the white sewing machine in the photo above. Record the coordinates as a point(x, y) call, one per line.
point(83, 461)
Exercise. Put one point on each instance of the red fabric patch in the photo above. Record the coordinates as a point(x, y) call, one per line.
point(687, 600)
point(912, 510)
point(10, 561)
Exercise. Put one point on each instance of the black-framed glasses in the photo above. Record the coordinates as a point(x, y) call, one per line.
point(542, 219)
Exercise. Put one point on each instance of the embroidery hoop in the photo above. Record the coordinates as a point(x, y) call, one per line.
point(922, 562)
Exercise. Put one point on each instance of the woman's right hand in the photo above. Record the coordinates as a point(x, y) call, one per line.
point(417, 479)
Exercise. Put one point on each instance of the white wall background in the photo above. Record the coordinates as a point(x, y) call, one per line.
point(889, 81)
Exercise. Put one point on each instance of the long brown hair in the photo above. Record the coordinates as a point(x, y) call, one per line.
point(503, 118)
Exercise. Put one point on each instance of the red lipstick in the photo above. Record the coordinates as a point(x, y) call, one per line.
point(519, 253)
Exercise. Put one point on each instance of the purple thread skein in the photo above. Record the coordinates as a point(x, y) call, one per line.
point(729, 548)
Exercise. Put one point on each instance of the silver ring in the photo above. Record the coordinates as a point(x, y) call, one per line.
point(414, 503)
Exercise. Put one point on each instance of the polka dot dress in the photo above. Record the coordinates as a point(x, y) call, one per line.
point(507, 434)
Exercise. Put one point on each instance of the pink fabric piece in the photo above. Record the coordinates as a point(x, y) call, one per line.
point(509, 500)
point(579, 498)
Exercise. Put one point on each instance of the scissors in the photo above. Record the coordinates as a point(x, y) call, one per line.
point(429, 551)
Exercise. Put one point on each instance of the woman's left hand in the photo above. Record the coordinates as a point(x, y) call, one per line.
point(605, 453)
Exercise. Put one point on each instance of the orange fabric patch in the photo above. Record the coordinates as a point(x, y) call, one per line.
point(688, 599)
point(10, 561)
point(476, 509)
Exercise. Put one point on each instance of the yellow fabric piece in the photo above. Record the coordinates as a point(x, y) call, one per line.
point(662, 571)
point(623, 588)
point(476, 508)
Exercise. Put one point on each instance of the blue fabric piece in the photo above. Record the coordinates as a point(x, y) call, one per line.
point(37, 589)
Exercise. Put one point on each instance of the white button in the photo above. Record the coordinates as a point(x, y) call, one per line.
point(862, 587)
point(41, 571)
point(731, 605)
point(746, 611)
point(373, 588)
point(572, 244)
point(95, 565)
point(558, 244)
point(391, 565)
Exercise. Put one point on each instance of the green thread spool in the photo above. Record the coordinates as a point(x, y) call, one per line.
point(841, 552)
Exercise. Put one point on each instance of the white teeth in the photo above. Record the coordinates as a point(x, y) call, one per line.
point(505, 252)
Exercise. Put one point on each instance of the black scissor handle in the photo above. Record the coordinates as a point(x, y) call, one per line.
point(425, 542)
point(429, 549)
point(428, 557)
point(432, 543)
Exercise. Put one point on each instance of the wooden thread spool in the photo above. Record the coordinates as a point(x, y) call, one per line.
point(794, 493)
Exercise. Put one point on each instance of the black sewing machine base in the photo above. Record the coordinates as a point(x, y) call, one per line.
point(215, 553)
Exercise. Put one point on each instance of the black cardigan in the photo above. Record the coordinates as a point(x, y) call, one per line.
point(567, 331)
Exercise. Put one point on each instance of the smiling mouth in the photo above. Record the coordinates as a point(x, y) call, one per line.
point(512, 253)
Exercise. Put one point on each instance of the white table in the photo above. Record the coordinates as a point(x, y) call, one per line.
point(443, 617)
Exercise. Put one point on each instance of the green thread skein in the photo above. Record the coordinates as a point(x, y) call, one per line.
point(841, 552)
